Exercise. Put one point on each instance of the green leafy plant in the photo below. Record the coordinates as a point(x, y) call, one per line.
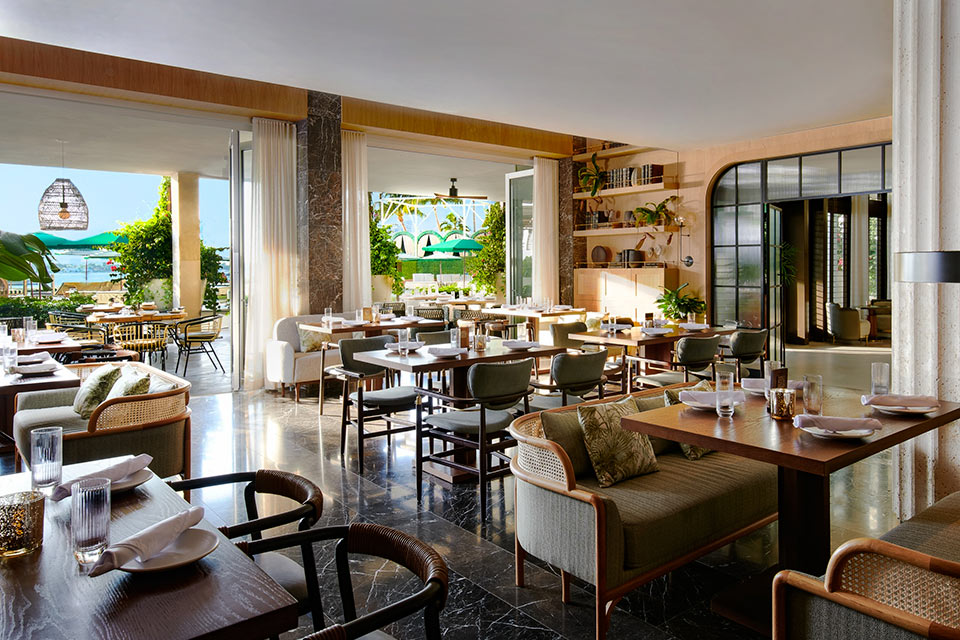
point(491, 262)
point(25, 257)
point(210, 271)
point(788, 263)
point(677, 305)
point(651, 213)
point(39, 308)
point(384, 253)
point(592, 178)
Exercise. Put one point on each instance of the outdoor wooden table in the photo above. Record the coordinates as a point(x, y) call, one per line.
point(373, 329)
point(67, 345)
point(422, 362)
point(116, 318)
point(804, 464)
point(223, 595)
point(534, 316)
point(652, 347)
point(12, 383)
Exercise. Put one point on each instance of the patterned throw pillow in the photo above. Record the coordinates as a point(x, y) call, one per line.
point(309, 340)
point(672, 396)
point(646, 403)
point(94, 390)
point(130, 383)
point(615, 453)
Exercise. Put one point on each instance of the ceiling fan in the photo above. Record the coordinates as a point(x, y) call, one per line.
point(453, 193)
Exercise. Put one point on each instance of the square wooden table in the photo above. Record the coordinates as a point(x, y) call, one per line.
point(804, 462)
point(224, 595)
point(12, 383)
point(67, 345)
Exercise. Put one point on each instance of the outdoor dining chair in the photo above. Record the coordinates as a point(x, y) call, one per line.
point(197, 335)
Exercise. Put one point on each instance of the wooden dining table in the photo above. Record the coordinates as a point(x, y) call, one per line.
point(534, 316)
point(370, 329)
point(138, 316)
point(223, 595)
point(67, 345)
point(804, 464)
point(13, 383)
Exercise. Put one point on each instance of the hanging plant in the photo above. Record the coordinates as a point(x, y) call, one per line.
point(592, 178)
point(651, 214)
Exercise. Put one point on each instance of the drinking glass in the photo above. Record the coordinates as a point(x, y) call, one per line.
point(403, 339)
point(812, 394)
point(90, 518)
point(9, 355)
point(408, 310)
point(455, 337)
point(46, 458)
point(358, 316)
point(3, 330)
point(724, 386)
point(879, 378)
point(768, 367)
point(691, 318)
point(21, 523)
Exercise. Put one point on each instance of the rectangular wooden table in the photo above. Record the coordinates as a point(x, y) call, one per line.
point(11, 384)
point(117, 318)
point(374, 329)
point(534, 316)
point(804, 462)
point(67, 345)
point(224, 595)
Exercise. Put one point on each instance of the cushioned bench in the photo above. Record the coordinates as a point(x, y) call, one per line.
point(622, 536)
point(904, 585)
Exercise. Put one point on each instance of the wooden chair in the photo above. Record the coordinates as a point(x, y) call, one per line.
point(299, 581)
point(560, 332)
point(382, 542)
point(573, 376)
point(691, 356)
point(745, 346)
point(494, 388)
point(149, 339)
point(197, 335)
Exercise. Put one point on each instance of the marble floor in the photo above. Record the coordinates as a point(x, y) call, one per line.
point(251, 430)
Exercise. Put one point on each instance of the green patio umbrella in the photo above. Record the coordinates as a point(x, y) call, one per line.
point(455, 246)
point(90, 242)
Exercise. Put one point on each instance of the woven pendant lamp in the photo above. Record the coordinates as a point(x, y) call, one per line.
point(62, 205)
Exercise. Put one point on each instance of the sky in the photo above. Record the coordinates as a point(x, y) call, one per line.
point(112, 198)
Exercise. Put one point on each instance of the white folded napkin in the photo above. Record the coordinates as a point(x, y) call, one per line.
point(33, 358)
point(693, 326)
point(833, 423)
point(147, 543)
point(410, 318)
point(710, 397)
point(113, 473)
point(40, 367)
point(897, 400)
point(387, 316)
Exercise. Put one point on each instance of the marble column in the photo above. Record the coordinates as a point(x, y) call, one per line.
point(926, 216)
point(569, 249)
point(319, 203)
point(185, 218)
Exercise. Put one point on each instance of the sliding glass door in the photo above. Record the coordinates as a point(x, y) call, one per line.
point(519, 235)
point(241, 176)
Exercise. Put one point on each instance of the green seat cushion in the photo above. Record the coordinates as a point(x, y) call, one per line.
point(662, 379)
point(935, 530)
point(94, 390)
point(392, 397)
point(615, 453)
point(688, 504)
point(132, 382)
point(26, 420)
point(310, 340)
point(286, 572)
point(563, 427)
point(672, 396)
point(540, 402)
point(469, 421)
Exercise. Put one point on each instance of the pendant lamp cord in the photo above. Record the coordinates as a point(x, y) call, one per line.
point(63, 187)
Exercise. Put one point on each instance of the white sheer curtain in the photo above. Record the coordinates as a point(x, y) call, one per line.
point(270, 241)
point(859, 250)
point(546, 225)
point(357, 284)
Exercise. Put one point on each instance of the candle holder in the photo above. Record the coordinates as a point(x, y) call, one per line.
point(783, 404)
point(21, 523)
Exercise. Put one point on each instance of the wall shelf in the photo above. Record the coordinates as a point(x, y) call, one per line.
point(666, 185)
point(615, 152)
point(622, 231)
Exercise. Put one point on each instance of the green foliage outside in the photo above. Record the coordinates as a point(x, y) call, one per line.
point(148, 254)
point(384, 252)
point(491, 261)
point(436, 267)
point(39, 308)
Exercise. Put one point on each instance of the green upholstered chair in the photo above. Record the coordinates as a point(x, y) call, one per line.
point(691, 357)
point(573, 375)
point(156, 423)
point(560, 333)
point(378, 404)
point(494, 388)
point(745, 346)
point(902, 585)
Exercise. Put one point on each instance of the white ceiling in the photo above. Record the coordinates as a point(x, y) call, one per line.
point(103, 137)
point(675, 73)
point(424, 174)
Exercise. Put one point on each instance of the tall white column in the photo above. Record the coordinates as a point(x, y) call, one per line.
point(546, 225)
point(926, 216)
point(185, 212)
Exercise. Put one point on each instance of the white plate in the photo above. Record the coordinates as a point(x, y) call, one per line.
point(426, 320)
point(904, 411)
point(387, 316)
point(693, 326)
point(704, 406)
point(48, 338)
point(756, 392)
point(655, 331)
point(446, 352)
point(190, 546)
point(520, 345)
point(131, 481)
point(354, 323)
point(853, 434)
point(615, 327)
point(410, 318)
point(411, 346)
point(562, 307)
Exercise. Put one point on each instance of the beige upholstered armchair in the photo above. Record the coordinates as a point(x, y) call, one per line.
point(287, 364)
point(845, 323)
point(155, 423)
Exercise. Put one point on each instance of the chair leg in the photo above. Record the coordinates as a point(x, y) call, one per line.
point(418, 449)
point(323, 379)
point(482, 465)
point(283, 390)
point(564, 587)
point(214, 352)
point(296, 392)
point(186, 363)
point(521, 557)
point(344, 417)
point(431, 622)
point(360, 429)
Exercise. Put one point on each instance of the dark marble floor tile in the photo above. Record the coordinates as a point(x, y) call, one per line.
point(672, 594)
point(700, 623)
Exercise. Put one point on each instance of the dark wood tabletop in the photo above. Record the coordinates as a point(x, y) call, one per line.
point(67, 345)
point(635, 337)
point(753, 433)
point(224, 595)
point(421, 360)
point(372, 328)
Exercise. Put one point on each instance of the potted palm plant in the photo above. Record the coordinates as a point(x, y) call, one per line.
point(676, 305)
